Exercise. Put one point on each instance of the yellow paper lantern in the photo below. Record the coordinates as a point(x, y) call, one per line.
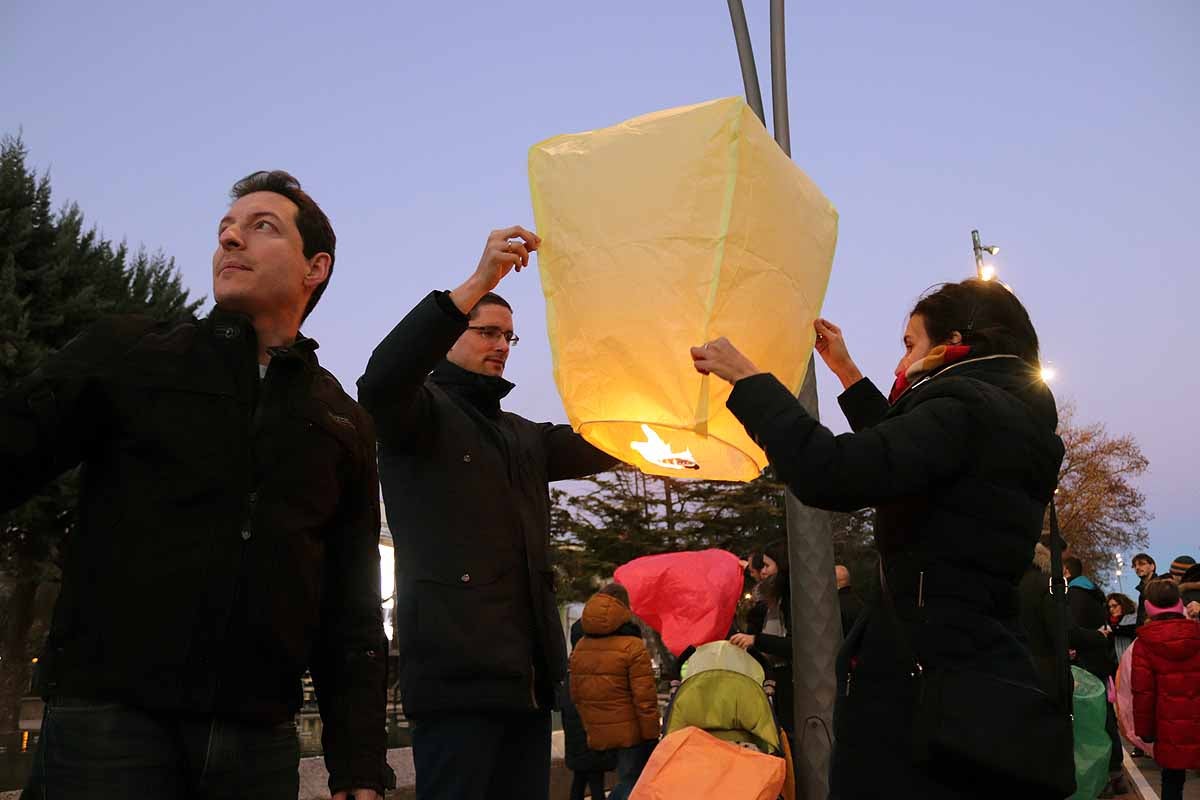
point(664, 232)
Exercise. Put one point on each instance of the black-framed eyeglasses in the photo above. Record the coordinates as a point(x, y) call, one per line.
point(494, 334)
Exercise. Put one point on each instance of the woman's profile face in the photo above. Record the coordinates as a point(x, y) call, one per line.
point(769, 567)
point(916, 344)
point(1114, 608)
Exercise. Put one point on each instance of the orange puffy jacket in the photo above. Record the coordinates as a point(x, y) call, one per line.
point(612, 682)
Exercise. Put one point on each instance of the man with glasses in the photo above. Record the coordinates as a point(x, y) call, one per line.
point(466, 488)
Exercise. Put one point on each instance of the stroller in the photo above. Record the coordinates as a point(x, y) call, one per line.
point(721, 738)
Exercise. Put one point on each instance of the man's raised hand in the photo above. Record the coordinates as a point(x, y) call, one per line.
point(506, 249)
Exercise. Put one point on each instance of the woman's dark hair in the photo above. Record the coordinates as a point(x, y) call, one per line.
point(989, 317)
point(618, 591)
point(777, 551)
point(1127, 605)
point(316, 232)
point(1162, 592)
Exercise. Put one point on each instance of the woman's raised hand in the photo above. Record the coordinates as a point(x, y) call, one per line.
point(832, 347)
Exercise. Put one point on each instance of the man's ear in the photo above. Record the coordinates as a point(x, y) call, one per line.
point(318, 270)
point(955, 338)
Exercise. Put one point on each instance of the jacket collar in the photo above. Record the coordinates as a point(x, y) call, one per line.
point(233, 327)
point(484, 392)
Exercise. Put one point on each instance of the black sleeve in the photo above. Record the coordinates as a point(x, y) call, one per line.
point(349, 665)
point(777, 646)
point(50, 421)
point(863, 404)
point(569, 455)
point(393, 387)
point(906, 455)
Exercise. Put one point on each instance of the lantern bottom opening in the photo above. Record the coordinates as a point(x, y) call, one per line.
point(673, 451)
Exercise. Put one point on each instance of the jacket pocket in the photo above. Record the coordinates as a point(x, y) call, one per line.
point(465, 627)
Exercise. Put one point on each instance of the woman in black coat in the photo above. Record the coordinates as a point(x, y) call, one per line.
point(770, 632)
point(960, 463)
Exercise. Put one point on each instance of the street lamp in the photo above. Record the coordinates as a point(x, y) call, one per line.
point(986, 272)
point(1120, 565)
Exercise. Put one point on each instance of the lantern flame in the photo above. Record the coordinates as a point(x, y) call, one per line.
point(656, 451)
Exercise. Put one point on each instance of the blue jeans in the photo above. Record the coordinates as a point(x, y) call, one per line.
point(630, 763)
point(482, 755)
point(102, 751)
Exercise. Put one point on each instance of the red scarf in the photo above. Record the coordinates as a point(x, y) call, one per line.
point(937, 358)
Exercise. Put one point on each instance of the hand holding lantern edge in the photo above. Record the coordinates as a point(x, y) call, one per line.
point(506, 249)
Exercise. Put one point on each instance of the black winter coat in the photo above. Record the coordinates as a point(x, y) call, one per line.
point(960, 470)
point(228, 529)
point(1039, 618)
point(1088, 608)
point(466, 487)
point(1141, 588)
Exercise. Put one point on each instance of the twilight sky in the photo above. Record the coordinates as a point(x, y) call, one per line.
point(1066, 132)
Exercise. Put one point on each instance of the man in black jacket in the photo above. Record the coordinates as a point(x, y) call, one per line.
point(1144, 567)
point(227, 537)
point(467, 494)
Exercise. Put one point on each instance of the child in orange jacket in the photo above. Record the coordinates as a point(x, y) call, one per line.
point(613, 686)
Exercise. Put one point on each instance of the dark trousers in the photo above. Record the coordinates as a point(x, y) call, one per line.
point(590, 781)
point(1172, 783)
point(99, 750)
point(1117, 755)
point(630, 763)
point(482, 756)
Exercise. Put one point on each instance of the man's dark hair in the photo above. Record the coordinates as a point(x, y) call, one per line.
point(1162, 592)
point(1143, 557)
point(1073, 565)
point(618, 591)
point(989, 317)
point(489, 299)
point(316, 233)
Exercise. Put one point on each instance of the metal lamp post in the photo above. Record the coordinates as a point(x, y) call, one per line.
point(816, 625)
point(984, 272)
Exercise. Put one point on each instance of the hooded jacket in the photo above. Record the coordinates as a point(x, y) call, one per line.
point(1166, 689)
point(612, 682)
point(1089, 611)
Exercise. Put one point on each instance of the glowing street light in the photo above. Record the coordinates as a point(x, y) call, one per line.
point(986, 272)
point(1048, 373)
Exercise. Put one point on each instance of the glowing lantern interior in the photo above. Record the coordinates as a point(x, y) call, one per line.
point(664, 232)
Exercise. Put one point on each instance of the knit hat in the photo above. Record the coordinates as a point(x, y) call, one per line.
point(1180, 566)
point(1153, 611)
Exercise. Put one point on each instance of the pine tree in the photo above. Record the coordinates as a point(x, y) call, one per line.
point(56, 278)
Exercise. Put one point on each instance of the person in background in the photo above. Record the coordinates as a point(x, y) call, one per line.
point(1180, 566)
point(1166, 686)
point(1088, 610)
point(1189, 586)
point(613, 686)
point(1122, 619)
point(851, 605)
point(1144, 567)
point(773, 638)
point(587, 766)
